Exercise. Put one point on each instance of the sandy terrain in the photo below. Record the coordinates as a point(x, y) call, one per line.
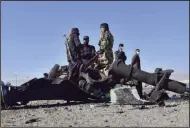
point(57, 113)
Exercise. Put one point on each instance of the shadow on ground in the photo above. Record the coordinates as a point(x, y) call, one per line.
point(52, 105)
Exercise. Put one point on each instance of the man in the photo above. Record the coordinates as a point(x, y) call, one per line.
point(120, 54)
point(136, 64)
point(136, 59)
point(74, 46)
point(73, 53)
point(120, 57)
point(106, 44)
point(87, 51)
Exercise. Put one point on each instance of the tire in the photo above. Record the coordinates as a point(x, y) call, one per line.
point(53, 72)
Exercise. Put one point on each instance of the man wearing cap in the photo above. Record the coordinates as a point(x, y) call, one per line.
point(87, 51)
point(120, 54)
point(106, 44)
point(136, 64)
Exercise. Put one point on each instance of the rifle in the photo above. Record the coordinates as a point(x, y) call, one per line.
point(68, 48)
point(90, 62)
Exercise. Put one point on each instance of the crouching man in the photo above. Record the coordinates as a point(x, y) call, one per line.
point(87, 51)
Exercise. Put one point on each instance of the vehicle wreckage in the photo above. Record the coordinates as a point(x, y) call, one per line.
point(86, 84)
point(82, 83)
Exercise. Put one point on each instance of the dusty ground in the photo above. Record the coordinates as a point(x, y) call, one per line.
point(57, 113)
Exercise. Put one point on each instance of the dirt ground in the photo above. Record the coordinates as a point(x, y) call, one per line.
point(59, 114)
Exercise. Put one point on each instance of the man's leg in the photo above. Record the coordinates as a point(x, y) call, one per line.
point(139, 89)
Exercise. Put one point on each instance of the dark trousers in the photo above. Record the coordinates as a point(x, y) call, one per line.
point(139, 88)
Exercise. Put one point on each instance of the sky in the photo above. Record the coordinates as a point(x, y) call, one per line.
point(31, 33)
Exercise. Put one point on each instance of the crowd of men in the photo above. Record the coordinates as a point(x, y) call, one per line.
point(83, 53)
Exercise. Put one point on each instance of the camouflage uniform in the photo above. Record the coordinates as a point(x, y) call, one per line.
point(106, 45)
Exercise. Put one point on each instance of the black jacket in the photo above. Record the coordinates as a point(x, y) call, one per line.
point(87, 52)
point(120, 56)
point(74, 45)
point(136, 61)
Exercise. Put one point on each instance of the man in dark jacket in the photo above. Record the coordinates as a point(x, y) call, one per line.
point(120, 57)
point(74, 45)
point(120, 54)
point(136, 64)
point(136, 60)
point(87, 51)
point(74, 55)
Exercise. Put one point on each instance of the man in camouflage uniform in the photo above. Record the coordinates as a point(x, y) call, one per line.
point(106, 44)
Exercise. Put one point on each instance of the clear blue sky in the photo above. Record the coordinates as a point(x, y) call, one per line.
point(32, 32)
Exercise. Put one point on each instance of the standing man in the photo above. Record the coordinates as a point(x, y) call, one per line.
point(120, 54)
point(74, 45)
point(75, 48)
point(106, 44)
point(87, 51)
point(136, 64)
point(120, 57)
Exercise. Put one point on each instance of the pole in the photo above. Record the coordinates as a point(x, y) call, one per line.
point(16, 75)
point(16, 80)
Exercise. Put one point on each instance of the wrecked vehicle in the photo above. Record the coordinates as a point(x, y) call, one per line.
point(89, 85)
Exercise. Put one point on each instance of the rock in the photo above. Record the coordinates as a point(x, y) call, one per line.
point(126, 95)
point(32, 120)
point(142, 107)
point(105, 120)
point(120, 112)
point(92, 106)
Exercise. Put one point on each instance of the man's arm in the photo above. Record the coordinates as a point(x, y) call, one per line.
point(124, 56)
point(93, 51)
point(117, 54)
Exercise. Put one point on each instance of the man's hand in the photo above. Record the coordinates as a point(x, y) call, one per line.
point(101, 36)
point(100, 52)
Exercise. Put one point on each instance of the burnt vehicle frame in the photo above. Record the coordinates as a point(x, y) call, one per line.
point(67, 89)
